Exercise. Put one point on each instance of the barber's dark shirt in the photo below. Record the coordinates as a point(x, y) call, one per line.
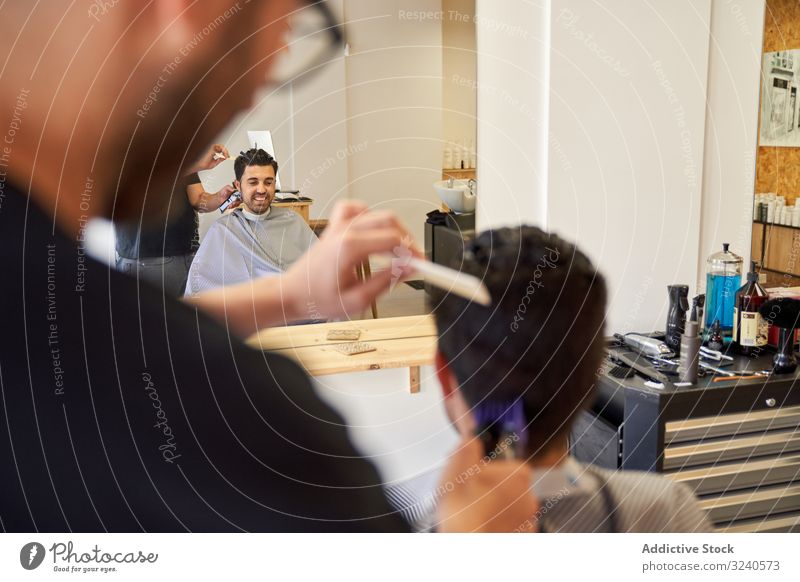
point(124, 410)
point(178, 236)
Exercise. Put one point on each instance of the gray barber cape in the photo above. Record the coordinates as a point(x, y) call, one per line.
point(240, 246)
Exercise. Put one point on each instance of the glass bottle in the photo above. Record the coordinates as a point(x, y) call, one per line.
point(723, 278)
point(750, 330)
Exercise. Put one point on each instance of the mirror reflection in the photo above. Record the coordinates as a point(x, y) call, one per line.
point(776, 209)
point(385, 113)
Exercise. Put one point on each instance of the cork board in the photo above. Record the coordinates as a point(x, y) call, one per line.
point(778, 169)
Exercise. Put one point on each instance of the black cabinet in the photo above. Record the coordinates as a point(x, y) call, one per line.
point(446, 235)
point(736, 443)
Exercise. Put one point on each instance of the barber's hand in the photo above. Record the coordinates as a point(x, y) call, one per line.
point(324, 283)
point(480, 495)
point(209, 160)
point(224, 193)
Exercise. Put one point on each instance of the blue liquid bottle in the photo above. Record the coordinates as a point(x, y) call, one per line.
point(723, 279)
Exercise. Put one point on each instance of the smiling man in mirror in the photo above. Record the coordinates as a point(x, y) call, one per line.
point(255, 239)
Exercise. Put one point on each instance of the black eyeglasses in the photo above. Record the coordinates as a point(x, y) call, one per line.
point(316, 38)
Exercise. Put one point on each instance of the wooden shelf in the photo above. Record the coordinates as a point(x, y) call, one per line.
point(401, 342)
point(776, 224)
point(776, 247)
point(459, 174)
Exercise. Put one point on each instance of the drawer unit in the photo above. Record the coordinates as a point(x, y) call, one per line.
point(735, 443)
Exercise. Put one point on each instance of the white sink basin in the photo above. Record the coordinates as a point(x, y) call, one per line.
point(458, 196)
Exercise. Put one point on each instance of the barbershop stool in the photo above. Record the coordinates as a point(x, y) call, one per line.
point(363, 270)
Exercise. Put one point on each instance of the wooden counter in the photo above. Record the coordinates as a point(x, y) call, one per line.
point(301, 207)
point(402, 342)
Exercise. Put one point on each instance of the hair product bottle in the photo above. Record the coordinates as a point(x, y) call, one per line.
point(690, 352)
point(750, 330)
point(473, 155)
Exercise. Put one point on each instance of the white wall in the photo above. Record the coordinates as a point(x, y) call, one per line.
point(630, 175)
point(319, 147)
point(513, 83)
point(459, 70)
point(627, 109)
point(734, 77)
point(394, 100)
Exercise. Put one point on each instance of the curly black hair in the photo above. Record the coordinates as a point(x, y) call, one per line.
point(253, 157)
point(541, 340)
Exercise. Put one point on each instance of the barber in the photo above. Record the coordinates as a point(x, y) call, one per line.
point(162, 254)
point(125, 409)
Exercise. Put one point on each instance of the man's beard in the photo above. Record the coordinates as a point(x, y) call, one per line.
point(259, 207)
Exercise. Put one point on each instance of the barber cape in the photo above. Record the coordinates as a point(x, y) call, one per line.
point(241, 246)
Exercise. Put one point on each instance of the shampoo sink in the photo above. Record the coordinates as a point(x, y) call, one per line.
point(458, 195)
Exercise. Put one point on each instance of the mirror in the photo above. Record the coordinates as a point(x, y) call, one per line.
point(776, 211)
point(381, 121)
point(384, 111)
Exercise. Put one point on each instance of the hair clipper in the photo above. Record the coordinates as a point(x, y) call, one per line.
point(502, 428)
point(231, 199)
point(647, 346)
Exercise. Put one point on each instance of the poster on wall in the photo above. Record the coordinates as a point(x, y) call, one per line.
point(780, 121)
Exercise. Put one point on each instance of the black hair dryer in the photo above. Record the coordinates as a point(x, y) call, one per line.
point(783, 313)
point(676, 317)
